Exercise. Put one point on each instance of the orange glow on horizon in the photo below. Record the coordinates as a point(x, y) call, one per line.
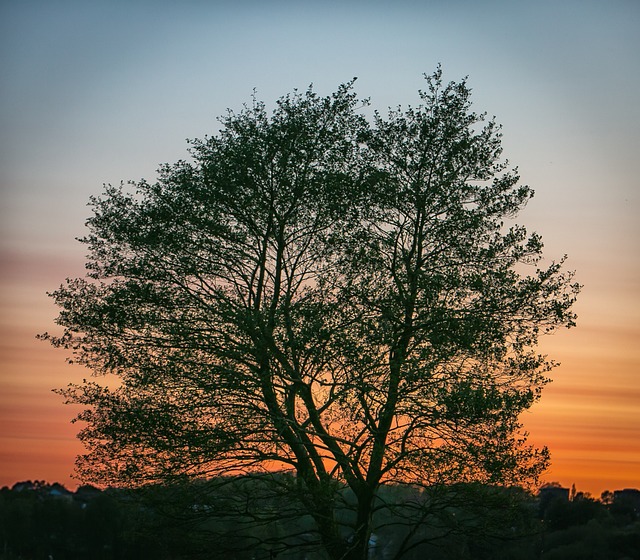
point(590, 430)
point(588, 415)
point(587, 419)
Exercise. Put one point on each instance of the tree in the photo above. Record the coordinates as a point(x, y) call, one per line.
point(323, 295)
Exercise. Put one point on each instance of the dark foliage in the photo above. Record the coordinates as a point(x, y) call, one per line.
point(188, 522)
point(345, 300)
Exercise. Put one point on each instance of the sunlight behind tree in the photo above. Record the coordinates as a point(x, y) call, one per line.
point(323, 295)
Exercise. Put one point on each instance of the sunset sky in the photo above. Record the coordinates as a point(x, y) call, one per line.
point(104, 91)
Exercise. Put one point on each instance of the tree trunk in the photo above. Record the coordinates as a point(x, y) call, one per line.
point(358, 547)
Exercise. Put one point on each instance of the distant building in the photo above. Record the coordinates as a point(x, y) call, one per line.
point(29, 486)
point(22, 486)
point(628, 496)
point(58, 491)
point(42, 489)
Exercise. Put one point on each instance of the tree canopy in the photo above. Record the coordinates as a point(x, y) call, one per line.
point(347, 299)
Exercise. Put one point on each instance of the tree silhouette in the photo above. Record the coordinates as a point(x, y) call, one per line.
point(322, 295)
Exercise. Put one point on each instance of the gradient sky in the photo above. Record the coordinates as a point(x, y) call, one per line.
point(99, 92)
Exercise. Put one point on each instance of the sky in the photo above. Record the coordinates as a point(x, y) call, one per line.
point(103, 92)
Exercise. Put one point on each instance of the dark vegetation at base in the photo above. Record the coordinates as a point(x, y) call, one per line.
point(41, 521)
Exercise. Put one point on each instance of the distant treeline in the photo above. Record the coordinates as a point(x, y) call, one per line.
point(40, 521)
